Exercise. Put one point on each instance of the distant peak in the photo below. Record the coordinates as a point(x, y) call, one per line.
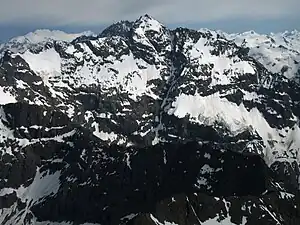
point(290, 33)
point(250, 32)
point(43, 35)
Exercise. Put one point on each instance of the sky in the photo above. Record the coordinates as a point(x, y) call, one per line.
point(18, 17)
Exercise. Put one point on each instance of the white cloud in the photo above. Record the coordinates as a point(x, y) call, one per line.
point(97, 12)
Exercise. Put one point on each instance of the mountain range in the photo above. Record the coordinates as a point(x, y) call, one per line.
point(142, 124)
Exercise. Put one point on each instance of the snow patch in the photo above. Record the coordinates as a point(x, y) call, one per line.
point(6, 96)
point(46, 63)
point(103, 135)
point(211, 109)
point(156, 221)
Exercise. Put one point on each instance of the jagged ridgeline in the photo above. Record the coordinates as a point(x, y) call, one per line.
point(146, 125)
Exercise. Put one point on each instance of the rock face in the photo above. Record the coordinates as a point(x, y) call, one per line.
point(146, 125)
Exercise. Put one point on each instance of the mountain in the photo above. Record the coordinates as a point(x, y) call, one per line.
point(146, 125)
point(39, 38)
point(279, 52)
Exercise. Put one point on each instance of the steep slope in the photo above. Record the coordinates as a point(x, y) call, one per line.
point(146, 125)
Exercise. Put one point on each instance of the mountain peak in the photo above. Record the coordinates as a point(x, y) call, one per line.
point(38, 38)
point(146, 17)
point(147, 23)
point(120, 28)
point(43, 35)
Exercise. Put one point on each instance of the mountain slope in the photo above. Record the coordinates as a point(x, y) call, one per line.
point(141, 125)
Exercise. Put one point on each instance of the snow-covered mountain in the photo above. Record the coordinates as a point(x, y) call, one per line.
point(278, 52)
point(146, 125)
point(39, 38)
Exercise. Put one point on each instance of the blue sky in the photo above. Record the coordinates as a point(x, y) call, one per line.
point(18, 17)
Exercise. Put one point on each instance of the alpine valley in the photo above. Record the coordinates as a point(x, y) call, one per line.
point(143, 125)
